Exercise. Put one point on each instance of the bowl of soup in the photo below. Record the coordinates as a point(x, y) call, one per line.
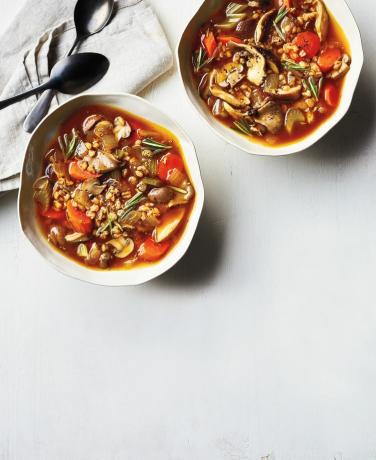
point(271, 77)
point(111, 191)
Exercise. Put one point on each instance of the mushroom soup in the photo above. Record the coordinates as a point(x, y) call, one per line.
point(271, 69)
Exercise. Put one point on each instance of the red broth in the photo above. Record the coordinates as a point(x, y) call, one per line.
point(91, 190)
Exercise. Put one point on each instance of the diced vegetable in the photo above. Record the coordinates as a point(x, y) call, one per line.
point(77, 173)
point(43, 192)
point(331, 94)
point(53, 214)
point(80, 222)
point(328, 58)
point(224, 39)
point(209, 43)
point(167, 163)
point(168, 225)
point(151, 251)
point(308, 42)
point(293, 117)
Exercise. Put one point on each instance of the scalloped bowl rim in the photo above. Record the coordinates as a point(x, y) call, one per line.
point(44, 133)
point(341, 11)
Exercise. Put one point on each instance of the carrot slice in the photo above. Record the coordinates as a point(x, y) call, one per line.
point(167, 163)
point(77, 173)
point(151, 251)
point(52, 213)
point(308, 42)
point(80, 222)
point(209, 43)
point(328, 58)
point(331, 94)
point(228, 38)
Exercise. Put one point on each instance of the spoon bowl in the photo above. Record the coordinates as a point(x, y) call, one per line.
point(91, 16)
point(77, 73)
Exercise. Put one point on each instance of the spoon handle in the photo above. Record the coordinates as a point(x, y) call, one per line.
point(42, 106)
point(19, 97)
point(39, 111)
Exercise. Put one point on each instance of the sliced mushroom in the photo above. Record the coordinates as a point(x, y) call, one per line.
point(245, 26)
point(218, 109)
point(76, 237)
point(271, 82)
point(240, 101)
point(122, 131)
point(290, 94)
point(293, 116)
point(93, 186)
point(56, 236)
point(82, 250)
point(272, 65)
point(287, 24)
point(82, 197)
point(105, 259)
point(160, 195)
point(235, 114)
point(94, 254)
point(104, 162)
point(168, 225)
point(123, 246)
point(322, 20)
point(43, 192)
point(103, 127)
point(81, 149)
point(230, 74)
point(342, 70)
point(203, 87)
point(256, 63)
point(262, 26)
point(90, 122)
point(270, 116)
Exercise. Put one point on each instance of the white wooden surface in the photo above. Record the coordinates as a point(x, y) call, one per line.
point(261, 340)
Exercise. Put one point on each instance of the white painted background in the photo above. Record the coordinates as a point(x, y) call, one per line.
point(261, 340)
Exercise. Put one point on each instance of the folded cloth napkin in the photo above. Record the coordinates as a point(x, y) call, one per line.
point(43, 33)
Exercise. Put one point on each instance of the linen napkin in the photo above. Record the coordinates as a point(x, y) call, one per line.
point(43, 33)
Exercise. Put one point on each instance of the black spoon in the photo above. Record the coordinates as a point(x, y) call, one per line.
point(90, 17)
point(71, 75)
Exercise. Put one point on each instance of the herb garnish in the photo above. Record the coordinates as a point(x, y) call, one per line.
point(131, 204)
point(291, 65)
point(243, 126)
point(68, 144)
point(313, 87)
point(282, 12)
point(154, 146)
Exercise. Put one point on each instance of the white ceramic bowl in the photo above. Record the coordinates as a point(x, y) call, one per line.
point(35, 151)
point(339, 9)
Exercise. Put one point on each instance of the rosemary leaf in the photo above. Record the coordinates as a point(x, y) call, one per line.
point(243, 126)
point(281, 14)
point(156, 147)
point(279, 31)
point(313, 88)
point(178, 190)
point(291, 65)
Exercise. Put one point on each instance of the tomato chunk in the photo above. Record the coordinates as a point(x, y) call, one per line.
point(209, 43)
point(228, 38)
point(331, 94)
point(328, 58)
point(167, 163)
point(308, 42)
point(52, 213)
point(151, 251)
point(80, 222)
point(77, 173)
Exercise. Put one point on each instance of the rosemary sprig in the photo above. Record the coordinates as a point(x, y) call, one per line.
point(200, 59)
point(291, 65)
point(131, 204)
point(235, 8)
point(313, 87)
point(68, 145)
point(178, 189)
point(281, 14)
point(243, 126)
point(279, 31)
point(154, 146)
